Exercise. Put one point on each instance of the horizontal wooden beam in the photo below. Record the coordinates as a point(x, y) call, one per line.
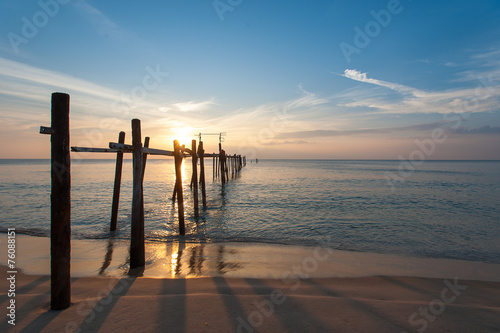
point(46, 130)
point(153, 151)
point(94, 150)
point(121, 147)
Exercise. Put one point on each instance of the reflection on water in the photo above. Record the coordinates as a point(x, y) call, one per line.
point(196, 260)
point(108, 256)
point(178, 259)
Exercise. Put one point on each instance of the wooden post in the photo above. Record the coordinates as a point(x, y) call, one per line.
point(213, 168)
point(217, 166)
point(137, 256)
point(178, 186)
point(194, 177)
point(225, 167)
point(222, 159)
point(118, 181)
point(144, 159)
point(60, 205)
point(201, 154)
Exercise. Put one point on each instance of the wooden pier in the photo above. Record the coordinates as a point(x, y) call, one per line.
point(224, 166)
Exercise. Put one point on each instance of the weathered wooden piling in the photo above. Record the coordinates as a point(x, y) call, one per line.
point(201, 155)
point(194, 182)
point(144, 159)
point(117, 185)
point(222, 159)
point(217, 165)
point(137, 255)
point(178, 156)
point(60, 204)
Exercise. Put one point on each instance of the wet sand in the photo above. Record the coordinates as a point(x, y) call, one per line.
point(251, 288)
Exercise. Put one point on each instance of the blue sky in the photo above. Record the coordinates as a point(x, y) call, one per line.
point(284, 79)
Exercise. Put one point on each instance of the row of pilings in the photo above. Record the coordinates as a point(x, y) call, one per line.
point(224, 166)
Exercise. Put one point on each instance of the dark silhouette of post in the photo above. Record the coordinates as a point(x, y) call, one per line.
point(60, 206)
point(118, 182)
point(137, 256)
point(178, 186)
point(201, 155)
point(144, 159)
point(194, 178)
point(222, 161)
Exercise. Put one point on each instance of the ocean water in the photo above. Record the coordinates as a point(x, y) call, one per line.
point(441, 209)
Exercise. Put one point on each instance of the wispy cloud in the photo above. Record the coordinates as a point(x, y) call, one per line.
point(386, 130)
point(356, 75)
point(191, 106)
point(484, 130)
point(99, 21)
point(308, 99)
point(480, 98)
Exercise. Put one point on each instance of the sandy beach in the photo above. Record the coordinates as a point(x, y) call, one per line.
point(237, 287)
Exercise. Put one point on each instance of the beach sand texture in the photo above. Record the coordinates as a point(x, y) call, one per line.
point(295, 300)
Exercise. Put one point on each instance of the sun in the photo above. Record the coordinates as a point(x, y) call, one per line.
point(184, 135)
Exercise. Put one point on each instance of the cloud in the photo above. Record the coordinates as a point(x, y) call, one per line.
point(484, 130)
point(190, 106)
point(362, 77)
point(30, 83)
point(386, 130)
point(308, 99)
point(480, 98)
point(100, 22)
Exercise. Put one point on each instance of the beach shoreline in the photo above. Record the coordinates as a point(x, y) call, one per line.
point(109, 258)
point(250, 288)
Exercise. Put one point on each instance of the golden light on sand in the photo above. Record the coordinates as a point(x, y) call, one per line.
point(174, 259)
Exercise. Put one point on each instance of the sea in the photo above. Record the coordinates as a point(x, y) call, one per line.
point(436, 209)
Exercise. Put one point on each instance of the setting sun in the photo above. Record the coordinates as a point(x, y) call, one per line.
point(184, 135)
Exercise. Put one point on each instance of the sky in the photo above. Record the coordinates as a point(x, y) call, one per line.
point(409, 80)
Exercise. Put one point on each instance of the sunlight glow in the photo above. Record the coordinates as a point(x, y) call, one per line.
point(184, 135)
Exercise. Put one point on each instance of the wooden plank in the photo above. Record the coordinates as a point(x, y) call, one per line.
point(211, 155)
point(124, 147)
point(46, 130)
point(117, 184)
point(60, 207)
point(152, 151)
point(137, 255)
point(96, 150)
